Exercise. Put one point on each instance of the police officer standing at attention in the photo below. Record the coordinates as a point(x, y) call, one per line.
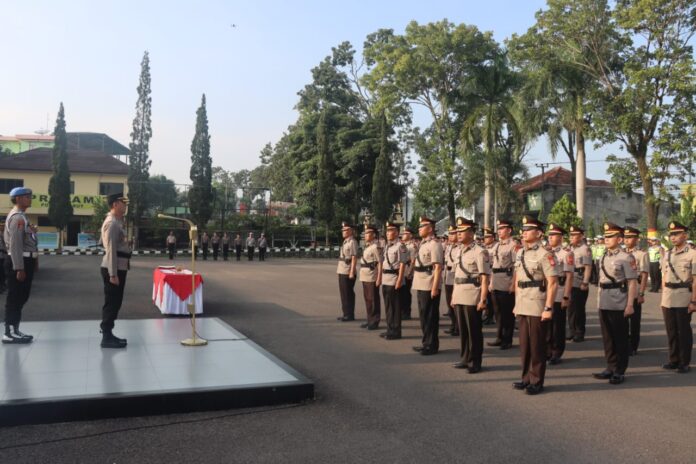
point(427, 282)
point(489, 242)
point(655, 255)
point(171, 244)
point(679, 298)
point(535, 287)
point(405, 298)
point(581, 284)
point(631, 235)
point(565, 267)
point(238, 247)
point(263, 245)
point(204, 245)
point(225, 246)
point(216, 245)
point(503, 261)
point(371, 278)
point(114, 267)
point(20, 240)
point(347, 263)
point(3, 257)
point(473, 269)
point(251, 245)
point(449, 279)
point(394, 264)
point(617, 290)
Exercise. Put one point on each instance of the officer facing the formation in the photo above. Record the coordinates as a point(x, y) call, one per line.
point(503, 262)
point(679, 298)
point(631, 236)
point(565, 267)
point(536, 283)
point(488, 243)
point(394, 263)
point(3, 257)
point(473, 269)
point(171, 244)
point(251, 245)
point(405, 298)
point(20, 239)
point(114, 267)
point(347, 262)
point(617, 290)
point(263, 245)
point(581, 284)
point(449, 279)
point(427, 281)
point(371, 278)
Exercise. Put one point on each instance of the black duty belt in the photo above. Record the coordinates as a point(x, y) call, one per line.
point(449, 268)
point(347, 261)
point(580, 271)
point(467, 280)
point(530, 284)
point(370, 266)
point(611, 285)
point(562, 280)
point(500, 270)
point(390, 271)
point(678, 285)
point(123, 254)
point(423, 268)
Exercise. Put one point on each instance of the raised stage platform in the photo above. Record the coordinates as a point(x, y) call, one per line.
point(65, 375)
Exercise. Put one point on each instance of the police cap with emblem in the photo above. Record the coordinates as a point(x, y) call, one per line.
point(677, 227)
point(612, 230)
point(425, 221)
point(555, 229)
point(530, 223)
point(504, 223)
point(346, 226)
point(575, 230)
point(451, 230)
point(391, 225)
point(371, 228)
point(114, 197)
point(631, 232)
point(488, 231)
point(464, 224)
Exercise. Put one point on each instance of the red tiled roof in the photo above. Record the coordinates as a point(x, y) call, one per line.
point(41, 159)
point(556, 176)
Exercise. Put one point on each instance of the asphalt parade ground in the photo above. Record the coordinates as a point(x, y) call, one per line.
point(376, 400)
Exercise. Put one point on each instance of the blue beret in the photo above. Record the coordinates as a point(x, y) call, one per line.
point(19, 191)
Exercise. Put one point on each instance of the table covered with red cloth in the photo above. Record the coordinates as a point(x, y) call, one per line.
point(171, 290)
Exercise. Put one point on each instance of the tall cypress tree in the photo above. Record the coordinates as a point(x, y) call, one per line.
point(60, 209)
point(139, 167)
point(200, 194)
point(326, 188)
point(382, 179)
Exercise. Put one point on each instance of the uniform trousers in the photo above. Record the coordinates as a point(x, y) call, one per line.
point(3, 278)
point(172, 250)
point(634, 325)
point(346, 287)
point(17, 292)
point(615, 335)
point(405, 299)
point(262, 254)
point(533, 349)
point(555, 336)
point(204, 246)
point(373, 305)
point(225, 251)
point(391, 307)
point(680, 337)
point(504, 319)
point(655, 277)
point(470, 322)
point(113, 298)
point(577, 316)
point(216, 251)
point(250, 253)
point(429, 315)
point(450, 309)
point(238, 251)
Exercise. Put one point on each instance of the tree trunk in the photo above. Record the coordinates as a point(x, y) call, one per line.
point(573, 165)
point(580, 168)
point(487, 199)
point(326, 235)
point(450, 204)
point(651, 204)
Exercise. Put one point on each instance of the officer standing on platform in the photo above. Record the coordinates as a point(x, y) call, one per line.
point(204, 245)
point(263, 245)
point(216, 245)
point(679, 298)
point(225, 246)
point(631, 236)
point(347, 263)
point(617, 290)
point(535, 287)
point(582, 256)
point(489, 242)
point(473, 270)
point(405, 297)
point(449, 279)
point(655, 255)
point(371, 278)
point(251, 246)
point(427, 282)
point(3, 257)
point(21, 243)
point(114, 267)
point(171, 244)
point(394, 263)
point(503, 261)
point(238, 247)
point(565, 267)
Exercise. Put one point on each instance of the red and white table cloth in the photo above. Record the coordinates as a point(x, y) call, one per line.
point(171, 291)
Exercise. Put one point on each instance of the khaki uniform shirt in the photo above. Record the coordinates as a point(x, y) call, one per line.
point(583, 257)
point(251, 242)
point(370, 259)
point(394, 254)
point(642, 261)
point(565, 262)
point(622, 267)
point(448, 272)
point(412, 251)
point(684, 263)
point(472, 262)
point(19, 237)
point(263, 243)
point(348, 250)
point(113, 235)
point(428, 254)
point(171, 240)
point(503, 263)
point(540, 263)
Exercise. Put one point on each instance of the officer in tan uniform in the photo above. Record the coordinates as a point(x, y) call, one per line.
point(394, 262)
point(503, 265)
point(448, 274)
point(679, 298)
point(581, 284)
point(347, 263)
point(371, 278)
point(472, 272)
point(488, 243)
point(405, 298)
point(535, 287)
point(631, 236)
point(565, 267)
point(427, 282)
point(617, 290)
point(3, 257)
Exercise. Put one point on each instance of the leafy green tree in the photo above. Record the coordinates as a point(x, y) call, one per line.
point(687, 209)
point(382, 181)
point(162, 192)
point(564, 213)
point(60, 208)
point(200, 195)
point(326, 189)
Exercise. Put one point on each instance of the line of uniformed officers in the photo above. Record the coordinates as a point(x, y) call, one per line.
point(542, 286)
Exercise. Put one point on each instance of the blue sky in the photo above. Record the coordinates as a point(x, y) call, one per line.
point(88, 57)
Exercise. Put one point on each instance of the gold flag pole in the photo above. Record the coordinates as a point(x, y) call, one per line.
point(193, 235)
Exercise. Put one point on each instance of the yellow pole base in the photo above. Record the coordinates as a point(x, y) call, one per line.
point(194, 342)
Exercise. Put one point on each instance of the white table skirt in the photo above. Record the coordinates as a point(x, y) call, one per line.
point(170, 303)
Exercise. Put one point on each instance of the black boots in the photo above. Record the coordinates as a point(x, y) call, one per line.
point(13, 335)
point(109, 340)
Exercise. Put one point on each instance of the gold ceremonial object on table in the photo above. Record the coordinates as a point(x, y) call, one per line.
point(193, 235)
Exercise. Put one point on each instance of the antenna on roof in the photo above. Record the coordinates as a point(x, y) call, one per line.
point(44, 130)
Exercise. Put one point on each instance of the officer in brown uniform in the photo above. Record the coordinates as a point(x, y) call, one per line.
point(347, 263)
point(371, 278)
point(488, 243)
point(427, 282)
point(449, 278)
point(679, 298)
point(3, 257)
point(535, 287)
point(473, 268)
point(617, 290)
point(394, 262)
point(405, 298)
point(503, 265)
point(631, 236)
point(565, 267)
point(581, 285)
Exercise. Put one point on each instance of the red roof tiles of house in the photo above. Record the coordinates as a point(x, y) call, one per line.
point(556, 176)
point(41, 159)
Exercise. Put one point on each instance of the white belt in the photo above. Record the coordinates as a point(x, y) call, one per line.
point(30, 254)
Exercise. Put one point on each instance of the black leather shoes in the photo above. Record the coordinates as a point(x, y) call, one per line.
point(616, 379)
point(455, 333)
point(405, 318)
point(569, 337)
point(364, 325)
point(373, 327)
point(346, 319)
point(474, 369)
point(427, 352)
point(495, 343)
point(534, 389)
point(519, 385)
point(393, 337)
point(506, 346)
point(670, 366)
point(460, 365)
point(417, 348)
point(578, 339)
point(554, 360)
point(683, 369)
point(604, 375)
point(383, 334)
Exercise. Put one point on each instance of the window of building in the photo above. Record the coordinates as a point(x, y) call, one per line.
point(72, 187)
point(109, 188)
point(8, 184)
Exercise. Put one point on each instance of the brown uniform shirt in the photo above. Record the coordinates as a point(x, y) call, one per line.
point(348, 250)
point(472, 262)
point(394, 254)
point(621, 266)
point(540, 263)
point(113, 234)
point(448, 273)
point(642, 260)
point(19, 237)
point(565, 262)
point(684, 264)
point(583, 257)
point(503, 263)
point(412, 251)
point(369, 261)
point(428, 254)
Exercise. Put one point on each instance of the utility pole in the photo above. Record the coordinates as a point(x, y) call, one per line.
point(543, 167)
